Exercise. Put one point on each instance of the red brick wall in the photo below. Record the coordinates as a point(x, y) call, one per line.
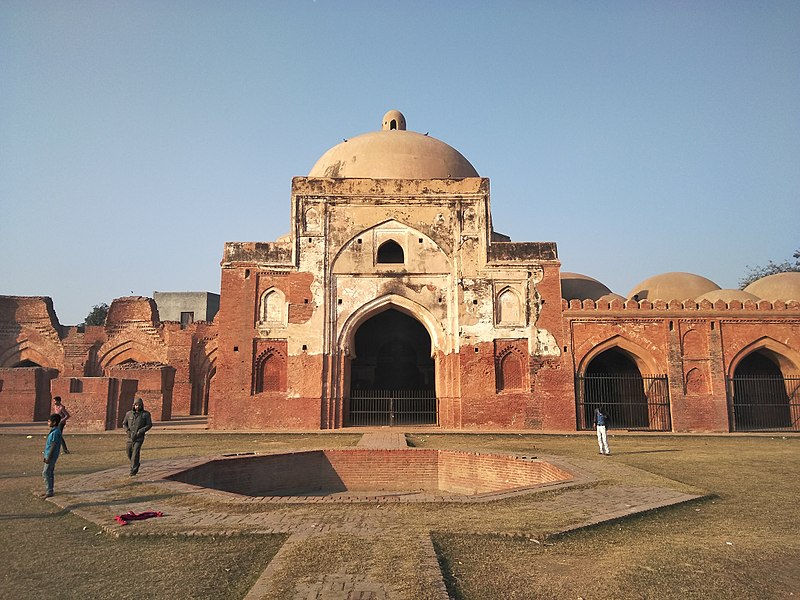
point(234, 403)
point(25, 394)
point(29, 330)
point(554, 392)
point(179, 355)
point(100, 405)
point(695, 345)
point(366, 470)
point(474, 473)
point(154, 387)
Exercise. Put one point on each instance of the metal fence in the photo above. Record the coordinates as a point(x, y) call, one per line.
point(764, 403)
point(630, 401)
point(392, 407)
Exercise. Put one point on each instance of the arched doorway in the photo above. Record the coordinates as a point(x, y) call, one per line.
point(763, 398)
point(392, 373)
point(612, 379)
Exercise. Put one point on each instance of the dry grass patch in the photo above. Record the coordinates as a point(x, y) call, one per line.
point(36, 535)
point(741, 544)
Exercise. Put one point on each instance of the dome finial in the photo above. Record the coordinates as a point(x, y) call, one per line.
point(394, 119)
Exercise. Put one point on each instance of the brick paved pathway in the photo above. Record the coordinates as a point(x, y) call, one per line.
point(359, 540)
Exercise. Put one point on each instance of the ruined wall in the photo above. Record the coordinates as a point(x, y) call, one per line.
point(95, 403)
point(30, 334)
point(271, 342)
point(154, 383)
point(25, 394)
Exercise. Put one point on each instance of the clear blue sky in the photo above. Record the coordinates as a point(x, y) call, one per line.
point(643, 137)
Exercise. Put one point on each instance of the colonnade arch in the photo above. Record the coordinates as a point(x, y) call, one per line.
point(622, 378)
point(390, 364)
point(764, 388)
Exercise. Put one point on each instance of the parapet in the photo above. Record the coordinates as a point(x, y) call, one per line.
point(617, 305)
point(273, 253)
point(522, 251)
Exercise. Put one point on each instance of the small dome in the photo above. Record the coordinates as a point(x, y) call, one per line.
point(780, 286)
point(575, 286)
point(727, 295)
point(393, 153)
point(673, 286)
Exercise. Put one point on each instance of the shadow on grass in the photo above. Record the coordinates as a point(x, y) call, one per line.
point(644, 451)
point(450, 580)
point(72, 507)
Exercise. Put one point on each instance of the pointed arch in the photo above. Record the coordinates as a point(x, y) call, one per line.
point(114, 353)
point(202, 372)
point(390, 252)
point(23, 351)
point(509, 307)
point(695, 383)
point(695, 344)
point(272, 308)
point(787, 359)
point(510, 370)
point(644, 360)
point(269, 374)
point(341, 262)
point(346, 338)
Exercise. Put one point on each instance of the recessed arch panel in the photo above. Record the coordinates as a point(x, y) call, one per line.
point(22, 352)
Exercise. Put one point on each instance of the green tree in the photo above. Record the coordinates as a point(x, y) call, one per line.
point(754, 273)
point(97, 316)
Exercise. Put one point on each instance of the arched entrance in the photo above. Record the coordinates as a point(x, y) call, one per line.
point(392, 373)
point(763, 398)
point(612, 379)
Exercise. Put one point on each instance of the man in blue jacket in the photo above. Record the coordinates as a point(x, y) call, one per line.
point(601, 423)
point(52, 448)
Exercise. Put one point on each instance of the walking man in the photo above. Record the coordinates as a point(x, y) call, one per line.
point(137, 422)
point(601, 423)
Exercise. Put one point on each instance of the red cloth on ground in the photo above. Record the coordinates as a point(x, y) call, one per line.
point(132, 516)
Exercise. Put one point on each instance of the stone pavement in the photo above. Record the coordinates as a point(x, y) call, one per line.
point(372, 550)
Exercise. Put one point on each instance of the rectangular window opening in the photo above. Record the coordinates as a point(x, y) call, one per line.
point(187, 318)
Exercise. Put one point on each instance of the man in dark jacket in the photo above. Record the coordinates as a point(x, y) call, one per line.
point(137, 422)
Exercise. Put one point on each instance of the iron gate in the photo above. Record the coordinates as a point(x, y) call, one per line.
point(764, 403)
point(630, 401)
point(392, 407)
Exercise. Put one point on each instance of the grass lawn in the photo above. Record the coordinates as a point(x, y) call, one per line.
point(743, 543)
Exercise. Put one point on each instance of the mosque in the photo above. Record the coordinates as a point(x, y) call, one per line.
point(392, 301)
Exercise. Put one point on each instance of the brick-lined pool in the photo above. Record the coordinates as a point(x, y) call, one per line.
point(410, 474)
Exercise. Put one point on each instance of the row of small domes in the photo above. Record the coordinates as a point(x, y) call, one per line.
point(683, 286)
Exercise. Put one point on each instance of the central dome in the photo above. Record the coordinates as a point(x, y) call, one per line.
point(393, 153)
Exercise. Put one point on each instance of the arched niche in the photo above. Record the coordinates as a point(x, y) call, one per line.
point(510, 309)
point(272, 308)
